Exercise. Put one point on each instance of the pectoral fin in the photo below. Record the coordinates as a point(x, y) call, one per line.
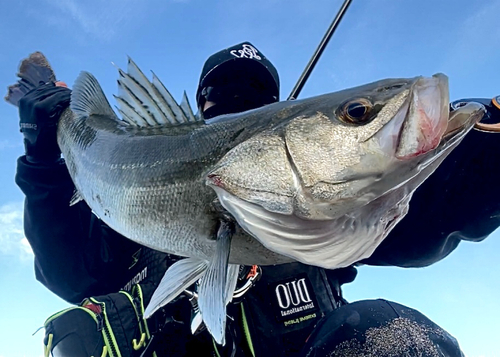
point(215, 286)
point(178, 277)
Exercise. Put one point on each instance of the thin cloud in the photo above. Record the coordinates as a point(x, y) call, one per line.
point(90, 21)
point(475, 34)
point(12, 239)
point(7, 144)
point(100, 19)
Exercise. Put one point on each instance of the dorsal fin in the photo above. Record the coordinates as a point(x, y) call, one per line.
point(88, 98)
point(169, 99)
point(129, 114)
point(186, 108)
point(148, 103)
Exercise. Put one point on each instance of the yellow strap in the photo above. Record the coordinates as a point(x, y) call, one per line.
point(215, 348)
point(141, 343)
point(46, 349)
point(246, 330)
point(104, 352)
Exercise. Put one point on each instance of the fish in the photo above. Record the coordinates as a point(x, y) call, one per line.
point(320, 180)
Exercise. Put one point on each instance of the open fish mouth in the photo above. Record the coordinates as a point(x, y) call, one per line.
point(428, 116)
point(420, 123)
point(425, 121)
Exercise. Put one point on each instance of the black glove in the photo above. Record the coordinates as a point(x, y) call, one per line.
point(39, 112)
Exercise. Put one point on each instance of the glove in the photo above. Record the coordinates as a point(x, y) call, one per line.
point(39, 112)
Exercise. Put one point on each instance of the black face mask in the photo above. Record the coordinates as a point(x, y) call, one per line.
point(228, 108)
point(234, 99)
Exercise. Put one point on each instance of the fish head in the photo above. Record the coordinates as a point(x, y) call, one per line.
point(372, 139)
point(341, 168)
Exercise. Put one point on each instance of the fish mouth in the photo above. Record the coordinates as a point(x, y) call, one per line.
point(425, 121)
point(426, 114)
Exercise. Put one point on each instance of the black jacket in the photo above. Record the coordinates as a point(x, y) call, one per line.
point(459, 201)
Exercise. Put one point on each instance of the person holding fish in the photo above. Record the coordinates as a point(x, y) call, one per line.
point(278, 307)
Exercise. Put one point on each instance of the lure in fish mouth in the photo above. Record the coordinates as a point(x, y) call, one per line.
point(320, 180)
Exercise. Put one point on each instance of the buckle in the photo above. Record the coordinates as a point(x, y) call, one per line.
point(249, 279)
point(196, 325)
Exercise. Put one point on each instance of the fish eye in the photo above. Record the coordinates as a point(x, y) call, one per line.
point(356, 111)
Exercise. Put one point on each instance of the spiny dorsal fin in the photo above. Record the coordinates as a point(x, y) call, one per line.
point(88, 98)
point(137, 96)
point(148, 103)
point(186, 108)
point(131, 111)
point(169, 100)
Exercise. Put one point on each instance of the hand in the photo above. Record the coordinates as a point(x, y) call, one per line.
point(39, 112)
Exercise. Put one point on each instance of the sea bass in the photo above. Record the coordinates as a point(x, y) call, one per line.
point(320, 180)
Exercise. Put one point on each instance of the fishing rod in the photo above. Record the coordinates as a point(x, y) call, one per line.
point(490, 122)
point(321, 47)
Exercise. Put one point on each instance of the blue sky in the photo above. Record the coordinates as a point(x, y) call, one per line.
point(377, 39)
